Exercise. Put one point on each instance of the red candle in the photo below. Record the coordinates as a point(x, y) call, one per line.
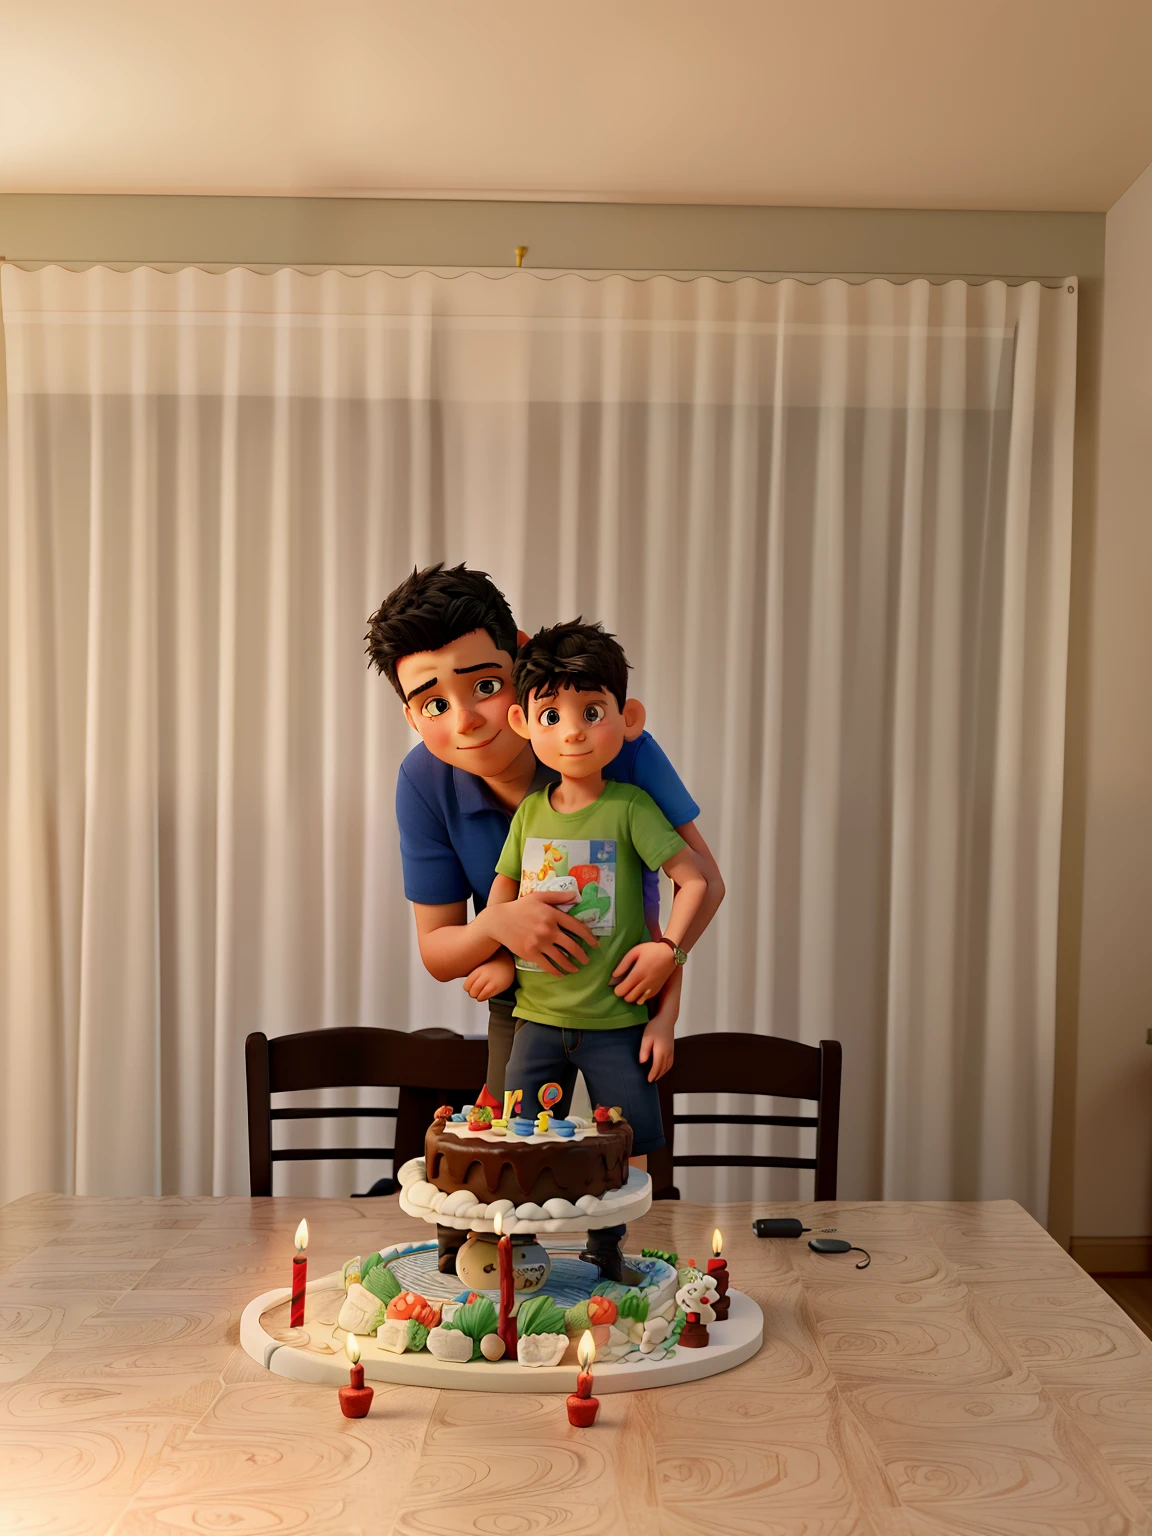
point(355, 1398)
point(299, 1277)
point(582, 1406)
point(718, 1269)
point(506, 1323)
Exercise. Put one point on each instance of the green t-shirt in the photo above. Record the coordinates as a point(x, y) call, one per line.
point(595, 853)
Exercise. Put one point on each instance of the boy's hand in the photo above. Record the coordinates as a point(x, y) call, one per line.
point(643, 971)
point(491, 978)
point(657, 1042)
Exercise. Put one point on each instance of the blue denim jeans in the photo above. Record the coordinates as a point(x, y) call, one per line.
point(610, 1062)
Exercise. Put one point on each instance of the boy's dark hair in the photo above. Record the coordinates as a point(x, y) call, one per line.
point(572, 655)
point(432, 608)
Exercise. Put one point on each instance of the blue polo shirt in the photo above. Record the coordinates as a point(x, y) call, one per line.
point(452, 828)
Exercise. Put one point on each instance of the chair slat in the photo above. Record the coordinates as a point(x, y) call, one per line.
point(337, 1114)
point(329, 1154)
point(710, 1161)
point(803, 1120)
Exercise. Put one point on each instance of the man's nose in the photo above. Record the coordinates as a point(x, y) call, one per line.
point(467, 720)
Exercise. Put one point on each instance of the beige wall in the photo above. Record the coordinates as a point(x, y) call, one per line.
point(889, 242)
point(1113, 1180)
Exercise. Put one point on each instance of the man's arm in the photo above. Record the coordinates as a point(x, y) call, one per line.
point(669, 1002)
point(451, 946)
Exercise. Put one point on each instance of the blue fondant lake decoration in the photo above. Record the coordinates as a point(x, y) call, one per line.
point(571, 1280)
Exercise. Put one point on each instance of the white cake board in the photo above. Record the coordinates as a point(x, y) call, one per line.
point(315, 1353)
point(616, 1207)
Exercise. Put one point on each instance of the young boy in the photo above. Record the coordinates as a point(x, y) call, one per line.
point(591, 838)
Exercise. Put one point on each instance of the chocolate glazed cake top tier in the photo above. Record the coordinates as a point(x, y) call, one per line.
point(537, 1170)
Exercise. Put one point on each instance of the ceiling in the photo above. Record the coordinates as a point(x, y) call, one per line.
point(1025, 104)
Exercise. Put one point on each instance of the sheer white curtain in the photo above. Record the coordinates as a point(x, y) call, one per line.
point(831, 525)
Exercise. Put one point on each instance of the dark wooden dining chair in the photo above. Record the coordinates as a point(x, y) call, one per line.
point(428, 1067)
point(755, 1064)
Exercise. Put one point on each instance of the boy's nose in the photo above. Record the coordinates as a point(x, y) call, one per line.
point(574, 733)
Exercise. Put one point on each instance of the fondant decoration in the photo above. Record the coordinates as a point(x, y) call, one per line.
point(299, 1277)
point(449, 1344)
point(473, 1321)
point(602, 1114)
point(370, 1264)
point(351, 1272)
point(392, 1335)
point(688, 1272)
point(656, 1330)
point(445, 1112)
point(582, 1406)
point(530, 1212)
point(541, 1349)
point(697, 1296)
point(460, 1202)
point(576, 1318)
point(355, 1398)
point(382, 1283)
point(417, 1334)
point(492, 1346)
point(459, 1119)
point(588, 1205)
point(410, 1305)
point(543, 1120)
point(659, 1253)
point(513, 1098)
point(480, 1118)
point(559, 1208)
point(550, 1095)
point(564, 1128)
point(693, 1335)
point(538, 1314)
point(485, 1100)
point(498, 1128)
point(522, 1127)
point(500, 1208)
point(601, 1309)
point(633, 1306)
point(360, 1311)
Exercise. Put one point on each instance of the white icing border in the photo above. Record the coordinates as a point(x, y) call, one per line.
point(462, 1211)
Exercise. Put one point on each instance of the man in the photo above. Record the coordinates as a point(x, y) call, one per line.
point(446, 641)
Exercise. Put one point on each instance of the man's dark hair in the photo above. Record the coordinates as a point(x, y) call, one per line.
point(432, 608)
point(573, 655)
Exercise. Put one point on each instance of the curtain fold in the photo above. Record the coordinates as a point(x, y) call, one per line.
point(831, 524)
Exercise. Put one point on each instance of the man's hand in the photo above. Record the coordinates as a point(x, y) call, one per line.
point(657, 1042)
point(643, 971)
point(532, 928)
point(491, 978)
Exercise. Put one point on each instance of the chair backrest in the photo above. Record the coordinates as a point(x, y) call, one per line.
point(429, 1067)
point(758, 1064)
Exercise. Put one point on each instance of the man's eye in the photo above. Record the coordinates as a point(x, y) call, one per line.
point(549, 717)
point(434, 707)
point(594, 714)
point(488, 686)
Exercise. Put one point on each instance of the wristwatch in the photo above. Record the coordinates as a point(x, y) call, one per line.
point(681, 954)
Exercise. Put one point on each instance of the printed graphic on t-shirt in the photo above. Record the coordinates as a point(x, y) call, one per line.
point(585, 868)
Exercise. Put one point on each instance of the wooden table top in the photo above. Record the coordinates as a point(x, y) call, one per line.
point(972, 1380)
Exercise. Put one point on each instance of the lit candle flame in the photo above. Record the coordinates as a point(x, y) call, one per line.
point(717, 1242)
point(302, 1236)
point(498, 1223)
point(586, 1349)
point(351, 1348)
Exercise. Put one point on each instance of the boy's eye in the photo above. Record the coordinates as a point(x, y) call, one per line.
point(550, 716)
point(434, 707)
point(487, 687)
point(594, 714)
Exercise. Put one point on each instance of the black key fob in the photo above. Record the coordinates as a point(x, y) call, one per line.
point(829, 1245)
point(778, 1226)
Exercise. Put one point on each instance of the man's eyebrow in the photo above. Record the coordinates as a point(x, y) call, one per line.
point(423, 688)
point(481, 666)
